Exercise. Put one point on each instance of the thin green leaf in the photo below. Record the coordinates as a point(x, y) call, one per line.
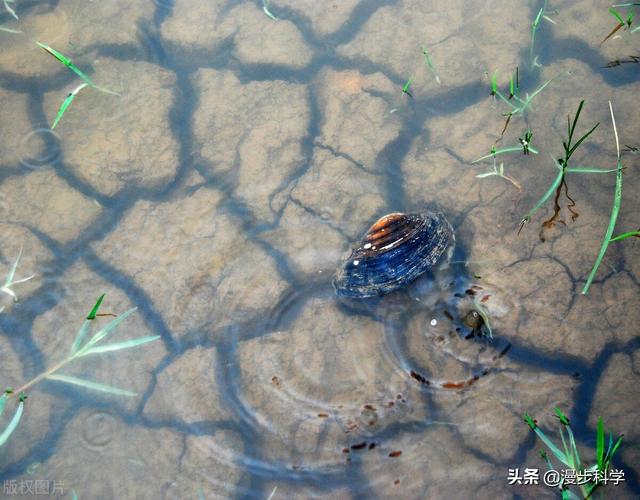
point(580, 170)
point(600, 444)
point(96, 307)
point(80, 336)
point(121, 345)
point(13, 424)
point(105, 331)
point(66, 104)
point(10, 10)
point(616, 14)
point(3, 401)
point(9, 280)
point(624, 236)
point(552, 447)
point(9, 30)
point(89, 384)
point(615, 209)
point(575, 146)
point(494, 83)
point(546, 196)
point(265, 8)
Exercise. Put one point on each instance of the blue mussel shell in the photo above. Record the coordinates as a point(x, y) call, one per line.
point(395, 251)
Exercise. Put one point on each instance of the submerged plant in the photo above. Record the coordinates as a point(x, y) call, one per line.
point(9, 280)
point(265, 8)
point(499, 172)
point(81, 347)
point(562, 165)
point(429, 63)
point(405, 87)
point(569, 456)
point(622, 21)
point(9, 9)
point(66, 104)
point(542, 14)
point(518, 105)
point(615, 209)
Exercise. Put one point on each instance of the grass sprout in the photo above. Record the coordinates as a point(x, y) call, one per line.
point(569, 456)
point(405, 87)
point(9, 281)
point(9, 30)
point(83, 345)
point(622, 21)
point(9, 9)
point(518, 106)
point(615, 209)
point(562, 165)
point(69, 64)
point(429, 63)
point(66, 104)
point(265, 8)
point(499, 172)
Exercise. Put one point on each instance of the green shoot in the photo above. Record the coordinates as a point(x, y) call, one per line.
point(429, 62)
point(622, 22)
point(9, 281)
point(509, 149)
point(521, 105)
point(405, 88)
point(9, 30)
point(499, 172)
point(66, 104)
point(69, 64)
point(569, 456)
point(562, 163)
point(265, 8)
point(624, 236)
point(617, 200)
point(9, 9)
point(542, 14)
point(79, 349)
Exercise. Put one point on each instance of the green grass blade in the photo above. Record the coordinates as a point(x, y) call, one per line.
point(82, 332)
point(69, 64)
point(552, 447)
point(13, 424)
point(89, 384)
point(616, 14)
point(105, 331)
point(600, 444)
point(121, 345)
point(3, 401)
point(265, 8)
point(545, 197)
point(575, 146)
point(624, 236)
point(9, 30)
point(587, 170)
point(9, 280)
point(615, 209)
point(96, 307)
point(80, 336)
point(10, 10)
point(66, 104)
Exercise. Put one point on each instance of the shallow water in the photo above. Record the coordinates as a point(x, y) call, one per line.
point(219, 192)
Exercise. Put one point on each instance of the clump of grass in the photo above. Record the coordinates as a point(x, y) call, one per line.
point(615, 209)
point(518, 106)
point(80, 348)
point(569, 456)
point(623, 22)
point(562, 165)
point(525, 147)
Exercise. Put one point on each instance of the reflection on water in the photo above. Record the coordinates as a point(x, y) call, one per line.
point(218, 193)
